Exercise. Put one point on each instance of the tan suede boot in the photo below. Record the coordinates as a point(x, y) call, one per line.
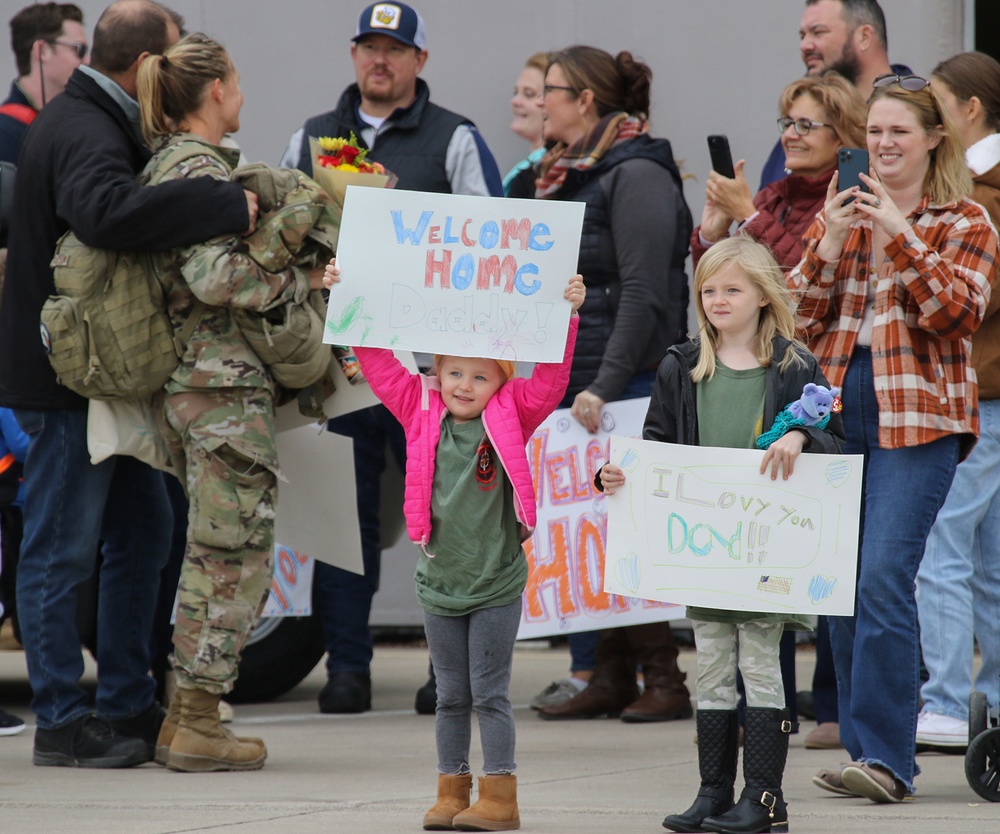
point(201, 744)
point(169, 729)
point(496, 808)
point(453, 797)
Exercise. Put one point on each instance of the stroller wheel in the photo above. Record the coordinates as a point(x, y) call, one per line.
point(982, 765)
point(979, 716)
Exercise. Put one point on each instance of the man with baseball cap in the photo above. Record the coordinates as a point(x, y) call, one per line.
point(430, 149)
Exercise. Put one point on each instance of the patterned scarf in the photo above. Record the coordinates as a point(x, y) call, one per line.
point(587, 151)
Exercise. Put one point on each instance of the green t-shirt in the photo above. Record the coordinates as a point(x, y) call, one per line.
point(730, 416)
point(478, 561)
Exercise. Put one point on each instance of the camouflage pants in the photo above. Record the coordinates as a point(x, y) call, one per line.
point(223, 443)
point(754, 646)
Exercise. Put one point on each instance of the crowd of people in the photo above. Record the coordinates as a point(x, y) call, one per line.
point(880, 289)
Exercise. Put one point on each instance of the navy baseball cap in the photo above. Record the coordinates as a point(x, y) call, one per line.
point(397, 20)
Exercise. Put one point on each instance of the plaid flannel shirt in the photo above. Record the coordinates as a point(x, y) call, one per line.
point(931, 292)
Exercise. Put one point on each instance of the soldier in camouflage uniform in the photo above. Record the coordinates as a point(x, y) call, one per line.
point(218, 412)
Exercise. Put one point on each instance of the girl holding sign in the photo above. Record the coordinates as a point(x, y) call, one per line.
point(723, 389)
point(469, 503)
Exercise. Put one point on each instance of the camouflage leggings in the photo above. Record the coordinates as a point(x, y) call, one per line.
point(755, 646)
point(223, 443)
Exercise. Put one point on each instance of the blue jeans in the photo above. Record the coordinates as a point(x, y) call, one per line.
point(344, 599)
point(70, 506)
point(877, 651)
point(958, 585)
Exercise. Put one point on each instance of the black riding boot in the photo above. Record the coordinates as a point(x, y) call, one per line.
point(765, 748)
point(717, 754)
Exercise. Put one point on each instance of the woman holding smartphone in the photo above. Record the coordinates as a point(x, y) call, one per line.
point(891, 286)
point(818, 117)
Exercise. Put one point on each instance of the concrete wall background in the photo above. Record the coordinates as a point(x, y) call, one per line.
point(718, 65)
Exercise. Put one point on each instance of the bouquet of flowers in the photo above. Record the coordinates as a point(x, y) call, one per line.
point(338, 163)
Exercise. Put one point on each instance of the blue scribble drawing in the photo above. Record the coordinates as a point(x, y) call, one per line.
point(607, 422)
point(600, 506)
point(821, 587)
point(838, 472)
point(630, 460)
point(562, 425)
point(627, 573)
point(775, 584)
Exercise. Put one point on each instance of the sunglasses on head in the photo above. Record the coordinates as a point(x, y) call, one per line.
point(910, 83)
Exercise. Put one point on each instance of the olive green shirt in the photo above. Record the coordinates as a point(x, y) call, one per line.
point(477, 558)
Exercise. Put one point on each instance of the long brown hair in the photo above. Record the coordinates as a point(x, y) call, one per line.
point(974, 74)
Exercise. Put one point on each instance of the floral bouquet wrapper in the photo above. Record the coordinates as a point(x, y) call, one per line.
point(338, 163)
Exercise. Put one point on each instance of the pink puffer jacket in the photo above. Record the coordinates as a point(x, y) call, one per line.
point(510, 419)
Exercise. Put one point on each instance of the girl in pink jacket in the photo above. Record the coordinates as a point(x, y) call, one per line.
point(469, 503)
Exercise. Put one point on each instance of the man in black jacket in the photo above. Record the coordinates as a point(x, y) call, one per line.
point(77, 171)
point(430, 149)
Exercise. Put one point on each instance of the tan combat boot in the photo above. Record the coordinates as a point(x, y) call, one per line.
point(496, 808)
point(201, 744)
point(453, 798)
point(169, 728)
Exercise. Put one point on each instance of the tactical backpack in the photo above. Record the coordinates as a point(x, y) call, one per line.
point(107, 332)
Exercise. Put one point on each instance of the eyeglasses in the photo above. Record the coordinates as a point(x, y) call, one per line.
point(910, 83)
point(548, 88)
point(80, 48)
point(802, 126)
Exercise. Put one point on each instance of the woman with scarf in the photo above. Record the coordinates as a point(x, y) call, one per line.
point(636, 228)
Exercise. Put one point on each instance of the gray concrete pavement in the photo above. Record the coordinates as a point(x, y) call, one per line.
point(375, 772)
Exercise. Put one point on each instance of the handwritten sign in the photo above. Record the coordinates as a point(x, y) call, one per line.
point(702, 526)
point(291, 587)
point(446, 273)
point(566, 553)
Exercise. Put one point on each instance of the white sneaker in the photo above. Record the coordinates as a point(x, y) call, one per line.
point(942, 730)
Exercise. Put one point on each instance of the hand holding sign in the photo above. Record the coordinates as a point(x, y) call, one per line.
point(465, 276)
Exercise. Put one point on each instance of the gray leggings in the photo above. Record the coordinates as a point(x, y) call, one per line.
point(472, 657)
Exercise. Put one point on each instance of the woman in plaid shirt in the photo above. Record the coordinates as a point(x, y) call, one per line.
point(890, 288)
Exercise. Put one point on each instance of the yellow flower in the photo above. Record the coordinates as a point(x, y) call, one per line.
point(332, 145)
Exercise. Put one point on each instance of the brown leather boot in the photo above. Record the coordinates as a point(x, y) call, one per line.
point(201, 744)
point(665, 696)
point(496, 808)
point(453, 798)
point(612, 686)
point(169, 728)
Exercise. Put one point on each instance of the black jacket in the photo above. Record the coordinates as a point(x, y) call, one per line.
point(636, 229)
point(673, 413)
point(77, 171)
point(413, 142)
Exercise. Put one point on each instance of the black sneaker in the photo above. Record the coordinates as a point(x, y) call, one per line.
point(10, 725)
point(346, 692)
point(145, 727)
point(87, 742)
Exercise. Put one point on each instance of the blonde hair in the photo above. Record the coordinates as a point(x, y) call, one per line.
point(948, 178)
point(172, 85)
point(840, 101)
point(507, 367)
point(755, 261)
point(538, 61)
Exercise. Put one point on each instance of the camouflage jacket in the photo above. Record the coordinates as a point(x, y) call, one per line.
point(222, 274)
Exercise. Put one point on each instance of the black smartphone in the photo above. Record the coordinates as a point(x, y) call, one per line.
point(722, 159)
point(850, 163)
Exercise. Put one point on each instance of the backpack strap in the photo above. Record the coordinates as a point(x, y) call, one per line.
point(21, 112)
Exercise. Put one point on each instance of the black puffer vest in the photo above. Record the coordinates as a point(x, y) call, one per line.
point(598, 262)
point(412, 143)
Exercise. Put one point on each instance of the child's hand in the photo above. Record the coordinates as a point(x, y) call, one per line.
point(781, 454)
point(331, 275)
point(611, 478)
point(575, 292)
